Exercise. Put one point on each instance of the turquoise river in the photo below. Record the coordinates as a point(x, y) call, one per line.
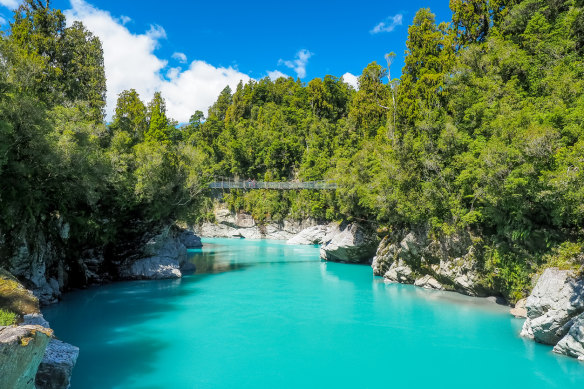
point(261, 314)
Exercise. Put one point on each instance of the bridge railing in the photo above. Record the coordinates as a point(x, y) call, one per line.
point(284, 185)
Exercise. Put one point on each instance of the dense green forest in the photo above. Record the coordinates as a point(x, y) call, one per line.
point(482, 131)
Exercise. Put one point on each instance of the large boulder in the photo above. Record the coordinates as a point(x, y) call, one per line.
point(553, 310)
point(349, 243)
point(311, 235)
point(58, 361)
point(55, 369)
point(21, 350)
point(573, 343)
point(189, 239)
point(162, 257)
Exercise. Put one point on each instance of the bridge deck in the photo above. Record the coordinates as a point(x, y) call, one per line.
point(287, 185)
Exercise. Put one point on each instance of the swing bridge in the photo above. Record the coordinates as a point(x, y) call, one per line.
point(237, 183)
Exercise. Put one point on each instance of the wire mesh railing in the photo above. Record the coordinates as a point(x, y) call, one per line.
point(230, 183)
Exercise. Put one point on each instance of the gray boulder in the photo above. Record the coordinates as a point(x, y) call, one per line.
point(428, 282)
point(554, 311)
point(55, 369)
point(58, 361)
point(519, 309)
point(162, 258)
point(349, 243)
point(400, 272)
point(21, 351)
point(310, 235)
point(573, 343)
point(189, 239)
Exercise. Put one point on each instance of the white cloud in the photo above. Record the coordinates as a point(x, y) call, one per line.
point(180, 57)
point(125, 19)
point(12, 4)
point(274, 75)
point(130, 62)
point(351, 79)
point(2, 20)
point(299, 63)
point(389, 24)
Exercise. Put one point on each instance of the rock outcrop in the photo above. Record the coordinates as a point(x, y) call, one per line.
point(554, 312)
point(242, 225)
point(349, 243)
point(162, 256)
point(39, 260)
point(519, 309)
point(189, 239)
point(56, 367)
point(21, 350)
point(311, 235)
point(445, 263)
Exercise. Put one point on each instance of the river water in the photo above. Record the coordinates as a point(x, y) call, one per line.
point(261, 314)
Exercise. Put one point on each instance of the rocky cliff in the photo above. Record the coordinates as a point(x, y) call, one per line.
point(349, 242)
point(242, 225)
point(29, 355)
point(443, 263)
point(161, 256)
point(555, 312)
point(21, 350)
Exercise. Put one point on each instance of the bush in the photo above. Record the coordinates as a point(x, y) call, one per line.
point(7, 318)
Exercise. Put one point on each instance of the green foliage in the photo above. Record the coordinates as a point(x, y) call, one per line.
point(7, 318)
point(483, 131)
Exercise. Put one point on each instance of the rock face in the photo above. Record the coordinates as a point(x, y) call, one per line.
point(312, 235)
point(446, 263)
point(162, 256)
point(519, 309)
point(189, 239)
point(39, 260)
point(242, 225)
point(21, 351)
point(55, 369)
point(554, 312)
point(349, 243)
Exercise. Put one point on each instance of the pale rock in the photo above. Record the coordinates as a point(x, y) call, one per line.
point(554, 301)
point(519, 309)
point(399, 272)
point(554, 312)
point(310, 235)
point(573, 343)
point(152, 268)
point(428, 282)
point(163, 256)
point(348, 243)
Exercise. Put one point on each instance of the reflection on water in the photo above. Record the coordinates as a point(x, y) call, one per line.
point(219, 257)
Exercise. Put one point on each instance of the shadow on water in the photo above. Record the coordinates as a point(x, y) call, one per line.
point(107, 324)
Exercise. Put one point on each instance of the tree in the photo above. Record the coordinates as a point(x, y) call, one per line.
point(429, 56)
point(130, 115)
point(71, 57)
point(473, 19)
point(158, 123)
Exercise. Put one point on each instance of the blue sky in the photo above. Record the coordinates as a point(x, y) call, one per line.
point(191, 49)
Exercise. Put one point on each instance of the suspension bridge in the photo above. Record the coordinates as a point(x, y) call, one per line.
point(234, 183)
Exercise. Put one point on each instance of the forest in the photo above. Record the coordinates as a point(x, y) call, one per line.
point(482, 131)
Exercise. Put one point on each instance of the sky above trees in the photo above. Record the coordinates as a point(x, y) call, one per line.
point(190, 50)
